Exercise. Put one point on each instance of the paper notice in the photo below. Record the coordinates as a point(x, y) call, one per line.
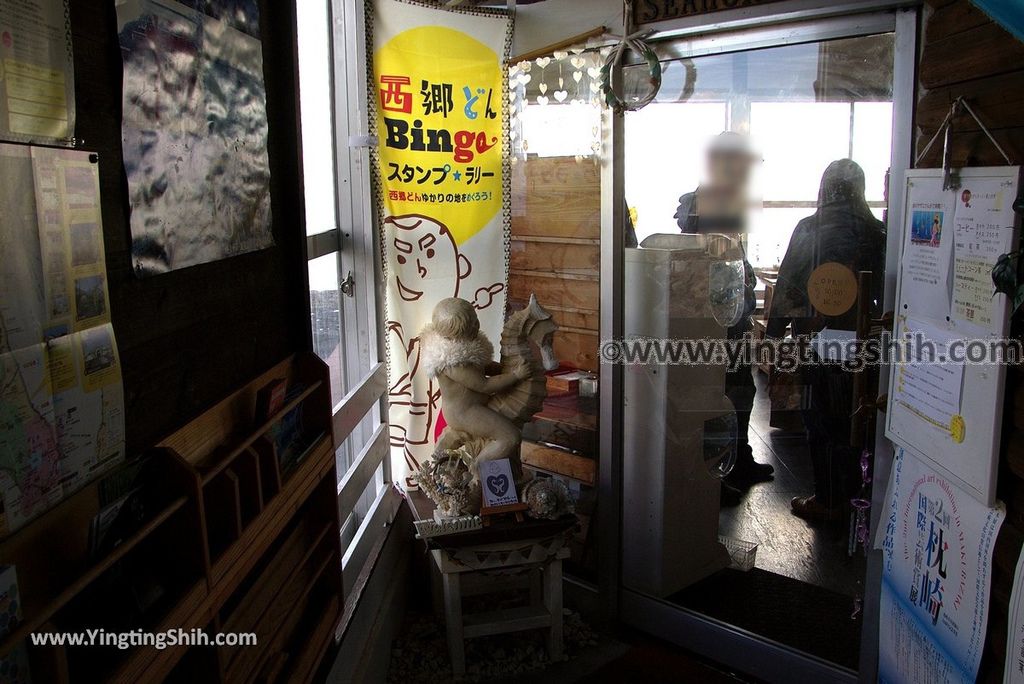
point(928, 383)
point(927, 251)
point(37, 91)
point(983, 230)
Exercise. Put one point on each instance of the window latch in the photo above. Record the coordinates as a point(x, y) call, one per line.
point(348, 286)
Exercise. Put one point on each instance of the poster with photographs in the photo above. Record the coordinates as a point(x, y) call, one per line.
point(926, 251)
point(61, 397)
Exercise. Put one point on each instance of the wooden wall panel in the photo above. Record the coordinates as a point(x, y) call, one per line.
point(984, 50)
point(577, 348)
point(954, 18)
point(1000, 98)
point(578, 259)
point(556, 290)
point(189, 337)
point(966, 54)
point(556, 251)
point(557, 196)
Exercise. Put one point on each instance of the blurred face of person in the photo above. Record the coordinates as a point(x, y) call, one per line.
point(729, 169)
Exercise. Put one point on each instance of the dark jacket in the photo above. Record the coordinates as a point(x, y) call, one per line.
point(689, 222)
point(842, 230)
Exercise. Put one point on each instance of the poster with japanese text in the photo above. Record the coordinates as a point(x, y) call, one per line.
point(438, 97)
point(936, 575)
point(927, 249)
point(37, 72)
point(983, 230)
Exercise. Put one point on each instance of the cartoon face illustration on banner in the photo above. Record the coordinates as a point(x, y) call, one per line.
point(423, 257)
point(439, 127)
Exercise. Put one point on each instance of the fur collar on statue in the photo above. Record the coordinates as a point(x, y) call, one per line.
point(437, 353)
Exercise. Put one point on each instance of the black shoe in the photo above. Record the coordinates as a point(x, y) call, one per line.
point(808, 508)
point(731, 496)
point(751, 472)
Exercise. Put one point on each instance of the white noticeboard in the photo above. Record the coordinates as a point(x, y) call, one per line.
point(949, 414)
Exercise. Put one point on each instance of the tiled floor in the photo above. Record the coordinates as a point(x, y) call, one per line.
point(788, 545)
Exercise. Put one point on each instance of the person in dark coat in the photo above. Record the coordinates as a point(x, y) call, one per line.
point(842, 231)
point(720, 207)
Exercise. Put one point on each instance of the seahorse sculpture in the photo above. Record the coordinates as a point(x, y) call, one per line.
point(451, 477)
point(531, 325)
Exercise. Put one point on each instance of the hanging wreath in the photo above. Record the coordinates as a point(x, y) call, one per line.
point(637, 44)
point(611, 98)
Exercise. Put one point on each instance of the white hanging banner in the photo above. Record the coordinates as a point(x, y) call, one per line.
point(438, 97)
point(936, 577)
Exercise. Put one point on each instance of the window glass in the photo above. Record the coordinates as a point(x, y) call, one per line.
point(662, 140)
point(315, 105)
point(325, 317)
point(555, 253)
point(739, 145)
point(560, 130)
point(872, 139)
point(797, 140)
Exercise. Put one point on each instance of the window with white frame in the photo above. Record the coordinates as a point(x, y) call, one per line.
point(340, 250)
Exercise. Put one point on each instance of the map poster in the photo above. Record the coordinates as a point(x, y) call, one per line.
point(194, 131)
point(936, 576)
point(61, 397)
point(439, 98)
point(37, 75)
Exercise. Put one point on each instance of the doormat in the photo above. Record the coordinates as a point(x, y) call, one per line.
point(800, 615)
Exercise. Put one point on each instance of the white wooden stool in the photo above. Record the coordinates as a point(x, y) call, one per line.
point(460, 566)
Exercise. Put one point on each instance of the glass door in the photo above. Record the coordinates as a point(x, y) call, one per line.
point(754, 244)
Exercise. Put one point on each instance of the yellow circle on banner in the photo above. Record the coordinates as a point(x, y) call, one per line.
point(832, 289)
point(439, 105)
point(957, 428)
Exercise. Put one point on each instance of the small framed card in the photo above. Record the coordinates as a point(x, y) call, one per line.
point(497, 483)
